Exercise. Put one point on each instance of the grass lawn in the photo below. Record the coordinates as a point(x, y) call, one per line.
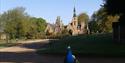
point(4, 44)
point(86, 45)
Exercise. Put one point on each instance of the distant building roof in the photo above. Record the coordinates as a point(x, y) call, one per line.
point(51, 25)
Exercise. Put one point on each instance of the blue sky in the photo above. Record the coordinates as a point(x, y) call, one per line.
point(50, 9)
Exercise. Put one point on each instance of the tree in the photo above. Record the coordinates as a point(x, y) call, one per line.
point(102, 22)
point(37, 27)
point(0, 21)
point(18, 24)
point(41, 24)
point(83, 19)
point(93, 26)
point(15, 22)
point(116, 7)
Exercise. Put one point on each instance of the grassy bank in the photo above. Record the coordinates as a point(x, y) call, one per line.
point(4, 43)
point(86, 45)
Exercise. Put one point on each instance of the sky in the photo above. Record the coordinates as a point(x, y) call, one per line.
point(50, 9)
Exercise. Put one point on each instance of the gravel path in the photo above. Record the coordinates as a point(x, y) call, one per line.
point(25, 53)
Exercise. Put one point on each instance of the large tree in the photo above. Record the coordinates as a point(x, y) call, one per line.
point(15, 22)
point(101, 21)
point(18, 24)
point(83, 17)
point(0, 21)
point(37, 27)
point(114, 7)
point(40, 23)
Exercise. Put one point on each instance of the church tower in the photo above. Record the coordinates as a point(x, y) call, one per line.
point(74, 22)
point(74, 18)
point(74, 12)
point(73, 26)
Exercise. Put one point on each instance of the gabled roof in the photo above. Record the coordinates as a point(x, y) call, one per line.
point(51, 25)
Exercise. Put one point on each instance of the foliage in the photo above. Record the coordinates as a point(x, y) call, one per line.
point(93, 26)
point(0, 21)
point(83, 17)
point(64, 33)
point(40, 24)
point(15, 22)
point(115, 7)
point(19, 25)
point(36, 28)
point(101, 22)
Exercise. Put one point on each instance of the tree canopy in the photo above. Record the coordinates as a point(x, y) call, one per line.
point(116, 7)
point(83, 17)
point(18, 24)
point(101, 21)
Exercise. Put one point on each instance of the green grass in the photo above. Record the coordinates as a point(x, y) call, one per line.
point(4, 44)
point(86, 45)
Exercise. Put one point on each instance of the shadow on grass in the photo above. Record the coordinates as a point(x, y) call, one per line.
point(19, 57)
point(37, 45)
point(96, 45)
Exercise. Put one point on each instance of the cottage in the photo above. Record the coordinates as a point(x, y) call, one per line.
point(54, 28)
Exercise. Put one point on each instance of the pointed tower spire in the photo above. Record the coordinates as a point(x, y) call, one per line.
point(74, 12)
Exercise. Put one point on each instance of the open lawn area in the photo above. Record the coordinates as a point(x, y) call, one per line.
point(86, 45)
point(3, 44)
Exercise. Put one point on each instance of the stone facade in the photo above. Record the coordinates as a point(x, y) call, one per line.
point(49, 29)
point(76, 27)
point(58, 25)
point(55, 28)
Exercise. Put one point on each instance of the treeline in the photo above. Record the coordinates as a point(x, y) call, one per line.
point(17, 24)
point(101, 21)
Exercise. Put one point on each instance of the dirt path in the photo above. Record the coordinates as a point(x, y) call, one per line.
point(25, 53)
point(26, 46)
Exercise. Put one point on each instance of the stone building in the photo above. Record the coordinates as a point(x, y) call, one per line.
point(49, 29)
point(58, 25)
point(54, 28)
point(76, 27)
